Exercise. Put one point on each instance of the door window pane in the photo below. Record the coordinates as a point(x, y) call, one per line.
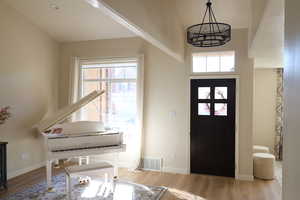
point(221, 109)
point(203, 92)
point(203, 108)
point(220, 92)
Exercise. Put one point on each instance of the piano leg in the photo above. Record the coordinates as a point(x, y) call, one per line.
point(49, 174)
point(116, 168)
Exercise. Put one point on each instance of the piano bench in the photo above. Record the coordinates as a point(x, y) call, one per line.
point(98, 170)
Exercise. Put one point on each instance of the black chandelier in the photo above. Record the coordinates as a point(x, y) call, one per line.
point(209, 34)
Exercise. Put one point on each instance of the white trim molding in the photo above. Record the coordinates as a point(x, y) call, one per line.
point(175, 170)
point(244, 177)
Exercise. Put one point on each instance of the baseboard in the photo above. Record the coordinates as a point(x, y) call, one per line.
point(244, 177)
point(175, 170)
point(19, 172)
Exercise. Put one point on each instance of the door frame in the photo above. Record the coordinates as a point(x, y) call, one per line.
point(237, 86)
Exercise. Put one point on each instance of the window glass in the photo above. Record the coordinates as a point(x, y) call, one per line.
point(199, 63)
point(227, 63)
point(220, 92)
point(203, 92)
point(214, 62)
point(221, 109)
point(204, 109)
point(117, 106)
point(91, 73)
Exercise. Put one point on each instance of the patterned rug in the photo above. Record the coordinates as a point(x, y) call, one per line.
point(95, 190)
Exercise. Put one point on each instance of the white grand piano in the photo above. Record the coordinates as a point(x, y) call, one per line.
point(76, 139)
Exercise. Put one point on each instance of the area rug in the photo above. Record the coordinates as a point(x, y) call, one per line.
point(95, 190)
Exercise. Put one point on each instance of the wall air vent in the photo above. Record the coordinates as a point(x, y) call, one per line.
point(152, 164)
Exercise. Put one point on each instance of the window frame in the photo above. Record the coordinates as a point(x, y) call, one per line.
point(192, 73)
point(139, 80)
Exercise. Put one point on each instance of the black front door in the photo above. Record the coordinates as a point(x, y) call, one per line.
point(213, 126)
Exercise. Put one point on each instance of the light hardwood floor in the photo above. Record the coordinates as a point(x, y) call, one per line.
point(186, 187)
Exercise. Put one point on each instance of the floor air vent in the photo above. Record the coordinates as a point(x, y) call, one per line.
point(152, 164)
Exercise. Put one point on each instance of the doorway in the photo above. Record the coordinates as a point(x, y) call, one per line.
point(213, 115)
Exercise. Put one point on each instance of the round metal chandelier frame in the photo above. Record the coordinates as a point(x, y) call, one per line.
point(209, 34)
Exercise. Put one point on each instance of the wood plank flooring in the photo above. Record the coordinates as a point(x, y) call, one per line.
point(186, 187)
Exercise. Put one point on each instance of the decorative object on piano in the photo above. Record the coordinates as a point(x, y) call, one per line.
point(4, 114)
point(38, 191)
point(3, 168)
point(77, 139)
point(210, 33)
point(84, 180)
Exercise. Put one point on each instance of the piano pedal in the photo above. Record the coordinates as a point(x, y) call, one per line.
point(50, 189)
point(56, 166)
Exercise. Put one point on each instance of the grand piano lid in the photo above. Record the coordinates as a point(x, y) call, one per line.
point(65, 112)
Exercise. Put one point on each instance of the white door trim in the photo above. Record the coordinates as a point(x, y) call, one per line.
point(237, 91)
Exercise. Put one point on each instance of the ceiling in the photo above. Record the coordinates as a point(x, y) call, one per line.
point(70, 20)
point(234, 12)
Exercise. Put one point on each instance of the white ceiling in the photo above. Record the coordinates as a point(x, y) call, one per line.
point(234, 12)
point(75, 20)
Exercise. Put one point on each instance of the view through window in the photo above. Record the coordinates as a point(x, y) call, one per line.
point(214, 62)
point(117, 106)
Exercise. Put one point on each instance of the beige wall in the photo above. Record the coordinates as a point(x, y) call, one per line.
point(245, 69)
point(156, 17)
point(257, 12)
point(166, 106)
point(291, 140)
point(166, 110)
point(28, 79)
point(165, 91)
point(265, 81)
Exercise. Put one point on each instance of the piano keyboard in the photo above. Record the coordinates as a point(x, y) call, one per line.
point(83, 148)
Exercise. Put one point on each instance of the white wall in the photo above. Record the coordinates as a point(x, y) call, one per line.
point(291, 158)
point(265, 81)
point(28, 79)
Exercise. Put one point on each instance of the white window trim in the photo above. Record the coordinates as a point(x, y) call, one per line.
point(140, 79)
point(235, 72)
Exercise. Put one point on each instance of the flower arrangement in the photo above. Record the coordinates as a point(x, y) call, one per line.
point(4, 114)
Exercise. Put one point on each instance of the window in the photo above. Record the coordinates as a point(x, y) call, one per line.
point(117, 107)
point(214, 62)
point(212, 101)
